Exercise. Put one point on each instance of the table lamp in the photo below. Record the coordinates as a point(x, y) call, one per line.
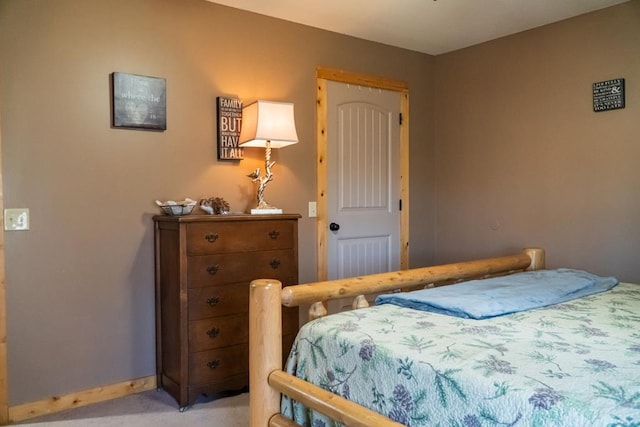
point(270, 125)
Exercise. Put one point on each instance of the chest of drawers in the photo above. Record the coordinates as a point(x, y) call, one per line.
point(204, 264)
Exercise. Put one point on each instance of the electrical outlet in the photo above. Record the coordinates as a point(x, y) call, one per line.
point(313, 210)
point(16, 219)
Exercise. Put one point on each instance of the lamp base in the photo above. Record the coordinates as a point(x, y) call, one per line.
point(265, 211)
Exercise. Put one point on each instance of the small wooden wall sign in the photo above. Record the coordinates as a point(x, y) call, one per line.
point(139, 102)
point(229, 122)
point(608, 95)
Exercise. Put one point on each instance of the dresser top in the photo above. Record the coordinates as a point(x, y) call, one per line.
point(233, 217)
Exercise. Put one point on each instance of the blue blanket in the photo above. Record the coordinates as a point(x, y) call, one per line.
point(481, 299)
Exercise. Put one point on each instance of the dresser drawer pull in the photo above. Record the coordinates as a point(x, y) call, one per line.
point(211, 237)
point(213, 301)
point(213, 332)
point(275, 263)
point(274, 234)
point(213, 269)
point(213, 364)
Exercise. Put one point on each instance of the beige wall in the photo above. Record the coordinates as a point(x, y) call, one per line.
point(80, 282)
point(522, 158)
point(507, 153)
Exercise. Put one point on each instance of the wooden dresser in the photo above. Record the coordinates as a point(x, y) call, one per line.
point(204, 264)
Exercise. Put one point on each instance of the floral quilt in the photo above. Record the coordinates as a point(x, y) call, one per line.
point(570, 364)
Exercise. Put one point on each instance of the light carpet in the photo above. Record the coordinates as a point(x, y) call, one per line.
point(153, 408)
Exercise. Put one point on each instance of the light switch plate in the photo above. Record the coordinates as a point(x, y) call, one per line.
point(313, 210)
point(16, 219)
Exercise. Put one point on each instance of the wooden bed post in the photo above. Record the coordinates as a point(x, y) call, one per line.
point(265, 342)
point(537, 258)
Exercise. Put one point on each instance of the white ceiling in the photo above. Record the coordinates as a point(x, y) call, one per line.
point(429, 26)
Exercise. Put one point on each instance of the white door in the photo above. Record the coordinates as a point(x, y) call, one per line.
point(363, 182)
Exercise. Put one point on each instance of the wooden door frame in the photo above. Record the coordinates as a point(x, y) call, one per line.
point(323, 75)
point(4, 389)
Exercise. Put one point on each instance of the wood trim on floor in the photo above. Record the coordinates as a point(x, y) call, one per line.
point(81, 398)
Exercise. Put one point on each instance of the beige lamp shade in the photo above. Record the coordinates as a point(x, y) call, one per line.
point(264, 121)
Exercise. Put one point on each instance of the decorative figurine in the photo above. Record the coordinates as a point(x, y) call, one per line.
point(214, 205)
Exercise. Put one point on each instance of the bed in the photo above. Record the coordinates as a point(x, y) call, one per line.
point(572, 363)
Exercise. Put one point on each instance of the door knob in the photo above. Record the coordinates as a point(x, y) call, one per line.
point(334, 227)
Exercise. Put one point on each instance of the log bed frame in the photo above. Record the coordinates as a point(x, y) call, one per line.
point(267, 380)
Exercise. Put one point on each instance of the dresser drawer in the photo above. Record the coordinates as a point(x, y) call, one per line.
point(213, 270)
point(213, 238)
point(218, 332)
point(214, 365)
point(212, 301)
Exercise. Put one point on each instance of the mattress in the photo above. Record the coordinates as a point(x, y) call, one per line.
point(570, 364)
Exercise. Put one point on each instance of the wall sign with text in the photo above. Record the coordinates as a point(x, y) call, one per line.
point(229, 122)
point(608, 95)
point(139, 102)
